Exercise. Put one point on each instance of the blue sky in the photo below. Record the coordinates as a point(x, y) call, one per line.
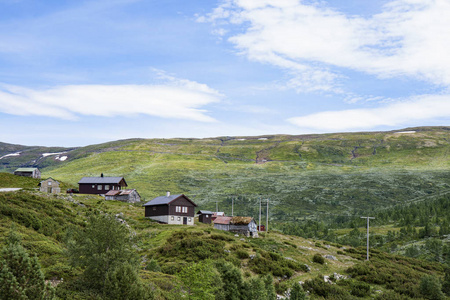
point(74, 73)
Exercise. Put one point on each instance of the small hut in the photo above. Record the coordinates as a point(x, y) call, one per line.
point(242, 225)
point(204, 216)
point(28, 172)
point(130, 195)
point(49, 185)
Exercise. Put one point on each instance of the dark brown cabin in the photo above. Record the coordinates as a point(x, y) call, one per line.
point(204, 216)
point(100, 185)
point(171, 209)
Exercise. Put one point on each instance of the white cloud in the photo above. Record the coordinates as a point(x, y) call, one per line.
point(314, 43)
point(419, 109)
point(179, 99)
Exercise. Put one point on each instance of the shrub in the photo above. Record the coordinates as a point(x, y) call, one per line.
point(360, 289)
point(317, 258)
point(242, 254)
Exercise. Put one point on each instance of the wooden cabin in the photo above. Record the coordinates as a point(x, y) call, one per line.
point(171, 209)
point(28, 172)
point(204, 216)
point(100, 185)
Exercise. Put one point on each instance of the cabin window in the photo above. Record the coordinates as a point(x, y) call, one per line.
point(178, 218)
point(49, 183)
point(99, 187)
point(107, 187)
point(172, 218)
point(93, 186)
point(154, 207)
point(189, 219)
point(184, 209)
point(178, 209)
point(206, 216)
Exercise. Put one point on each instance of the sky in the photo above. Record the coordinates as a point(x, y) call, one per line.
point(75, 73)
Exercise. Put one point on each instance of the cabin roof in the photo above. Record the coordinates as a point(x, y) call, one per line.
point(101, 180)
point(119, 192)
point(205, 212)
point(233, 220)
point(39, 184)
point(222, 220)
point(166, 200)
point(25, 169)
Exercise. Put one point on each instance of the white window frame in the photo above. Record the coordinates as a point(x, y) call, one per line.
point(99, 187)
point(107, 187)
point(178, 209)
point(184, 209)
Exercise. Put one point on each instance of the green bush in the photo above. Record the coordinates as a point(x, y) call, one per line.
point(317, 258)
point(242, 254)
point(360, 289)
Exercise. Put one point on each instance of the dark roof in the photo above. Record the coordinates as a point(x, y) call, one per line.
point(166, 200)
point(102, 180)
point(205, 212)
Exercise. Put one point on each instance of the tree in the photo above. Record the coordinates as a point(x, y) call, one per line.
point(201, 280)
point(446, 281)
point(270, 289)
point(123, 282)
point(232, 280)
point(297, 292)
point(255, 289)
point(104, 249)
point(430, 288)
point(20, 275)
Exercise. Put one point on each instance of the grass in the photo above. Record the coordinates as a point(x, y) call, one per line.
point(42, 220)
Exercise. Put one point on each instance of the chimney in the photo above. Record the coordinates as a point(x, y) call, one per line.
point(101, 175)
point(168, 194)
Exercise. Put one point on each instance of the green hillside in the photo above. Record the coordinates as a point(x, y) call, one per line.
point(309, 175)
point(166, 250)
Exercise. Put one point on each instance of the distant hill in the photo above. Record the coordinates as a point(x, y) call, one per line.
point(302, 175)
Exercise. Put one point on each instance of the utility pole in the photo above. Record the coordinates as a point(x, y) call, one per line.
point(259, 222)
point(232, 206)
point(267, 216)
point(217, 206)
point(367, 234)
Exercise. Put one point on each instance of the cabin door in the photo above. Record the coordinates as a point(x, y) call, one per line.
point(184, 220)
point(49, 190)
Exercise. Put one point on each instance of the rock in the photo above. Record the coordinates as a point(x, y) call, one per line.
point(330, 257)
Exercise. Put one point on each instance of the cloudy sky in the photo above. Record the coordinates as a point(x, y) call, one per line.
point(74, 73)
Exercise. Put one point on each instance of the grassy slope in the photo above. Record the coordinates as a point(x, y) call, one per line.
point(302, 175)
point(42, 220)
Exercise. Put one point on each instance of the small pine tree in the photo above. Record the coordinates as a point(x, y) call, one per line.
point(430, 287)
point(270, 288)
point(297, 292)
point(255, 289)
point(233, 285)
point(123, 282)
point(446, 282)
point(20, 275)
